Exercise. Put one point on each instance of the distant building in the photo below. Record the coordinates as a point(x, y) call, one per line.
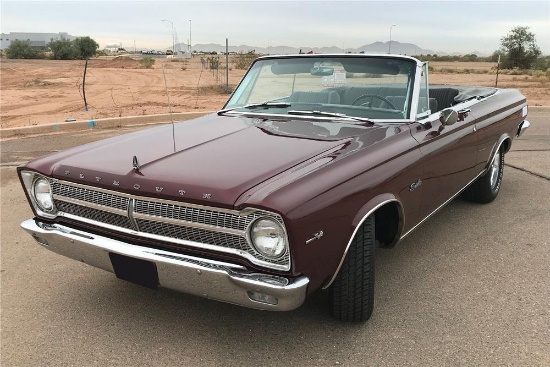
point(113, 48)
point(39, 40)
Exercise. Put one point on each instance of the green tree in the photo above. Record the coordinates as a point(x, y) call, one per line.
point(85, 47)
point(520, 48)
point(21, 50)
point(62, 49)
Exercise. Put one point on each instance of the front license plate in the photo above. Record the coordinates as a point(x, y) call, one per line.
point(137, 271)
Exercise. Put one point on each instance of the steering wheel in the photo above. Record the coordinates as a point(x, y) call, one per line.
point(372, 96)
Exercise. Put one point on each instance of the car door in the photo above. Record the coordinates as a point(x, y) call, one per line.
point(449, 156)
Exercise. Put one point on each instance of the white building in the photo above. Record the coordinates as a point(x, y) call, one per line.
point(36, 39)
point(113, 47)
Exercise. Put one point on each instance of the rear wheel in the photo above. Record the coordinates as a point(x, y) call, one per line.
point(351, 295)
point(485, 189)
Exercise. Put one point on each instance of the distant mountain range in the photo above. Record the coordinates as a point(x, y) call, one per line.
point(373, 48)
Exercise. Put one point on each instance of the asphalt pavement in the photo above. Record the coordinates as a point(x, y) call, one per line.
point(471, 286)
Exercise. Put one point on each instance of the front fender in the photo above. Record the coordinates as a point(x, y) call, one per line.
point(367, 210)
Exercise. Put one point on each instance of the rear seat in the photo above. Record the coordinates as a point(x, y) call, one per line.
point(445, 97)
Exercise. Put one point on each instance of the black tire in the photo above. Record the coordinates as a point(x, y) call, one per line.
point(485, 189)
point(351, 295)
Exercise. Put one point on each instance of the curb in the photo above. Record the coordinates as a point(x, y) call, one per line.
point(105, 123)
point(108, 123)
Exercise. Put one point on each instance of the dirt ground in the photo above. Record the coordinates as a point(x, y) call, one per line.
point(47, 91)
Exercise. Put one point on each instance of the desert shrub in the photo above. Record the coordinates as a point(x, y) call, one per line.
point(62, 49)
point(147, 62)
point(242, 60)
point(85, 47)
point(21, 50)
point(213, 62)
point(213, 89)
point(516, 71)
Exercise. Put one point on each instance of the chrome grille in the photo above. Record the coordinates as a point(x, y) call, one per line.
point(192, 234)
point(180, 223)
point(94, 214)
point(91, 196)
point(191, 214)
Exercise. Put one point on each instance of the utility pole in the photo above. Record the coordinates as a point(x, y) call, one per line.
point(227, 65)
point(190, 52)
point(173, 34)
point(389, 45)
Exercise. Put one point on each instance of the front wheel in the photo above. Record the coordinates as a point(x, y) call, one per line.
point(485, 189)
point(351, 295)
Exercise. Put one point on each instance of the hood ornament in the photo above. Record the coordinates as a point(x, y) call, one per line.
point(135, 164)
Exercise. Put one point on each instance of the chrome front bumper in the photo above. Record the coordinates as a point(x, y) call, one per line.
point(206, 278)
point(522, 127)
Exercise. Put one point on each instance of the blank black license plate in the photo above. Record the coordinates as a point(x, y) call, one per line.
point(137, 271)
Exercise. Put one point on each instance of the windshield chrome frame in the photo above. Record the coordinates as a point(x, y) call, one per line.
point(415, 87)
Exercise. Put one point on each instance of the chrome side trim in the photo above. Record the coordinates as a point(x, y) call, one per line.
point(217, 280)
point(353, 235)
point(442, 205)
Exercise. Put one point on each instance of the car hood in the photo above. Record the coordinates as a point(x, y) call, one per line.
point(211, 159)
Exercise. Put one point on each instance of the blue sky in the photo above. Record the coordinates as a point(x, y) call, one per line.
point(449, 26)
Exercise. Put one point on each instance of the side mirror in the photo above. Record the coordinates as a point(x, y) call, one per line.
point(448, 117)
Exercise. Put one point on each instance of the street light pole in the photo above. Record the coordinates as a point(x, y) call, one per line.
point(173, 35)
point(389, 46)
point(190, 52)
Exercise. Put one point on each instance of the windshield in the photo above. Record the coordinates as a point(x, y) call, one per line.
point(356, 86)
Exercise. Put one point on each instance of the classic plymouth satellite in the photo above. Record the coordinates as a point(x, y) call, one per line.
point(313, 163)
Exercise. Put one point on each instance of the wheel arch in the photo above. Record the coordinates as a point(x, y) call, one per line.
point(504, 141)
point(389, 231)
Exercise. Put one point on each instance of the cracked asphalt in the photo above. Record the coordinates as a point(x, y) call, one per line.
point(471, 286)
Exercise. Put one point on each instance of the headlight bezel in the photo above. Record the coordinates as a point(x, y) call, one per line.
point(30, 180)
point(284, 237)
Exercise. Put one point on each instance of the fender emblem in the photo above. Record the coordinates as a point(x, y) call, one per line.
point(182, 192)
point(137, 186)
point(158, 189)
point(98, 179)
point(206, 196)
point(81, 175)
point(316, 236)
point(415, 185)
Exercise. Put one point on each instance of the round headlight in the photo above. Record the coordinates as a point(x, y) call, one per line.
point(43, 194)
point(268, 237)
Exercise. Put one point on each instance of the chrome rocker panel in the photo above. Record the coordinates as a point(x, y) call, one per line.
point(206, 278)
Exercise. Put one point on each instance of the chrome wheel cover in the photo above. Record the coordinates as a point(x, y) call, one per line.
point(494, 171)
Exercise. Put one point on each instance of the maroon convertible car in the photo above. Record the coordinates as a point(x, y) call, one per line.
point(314, 162)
